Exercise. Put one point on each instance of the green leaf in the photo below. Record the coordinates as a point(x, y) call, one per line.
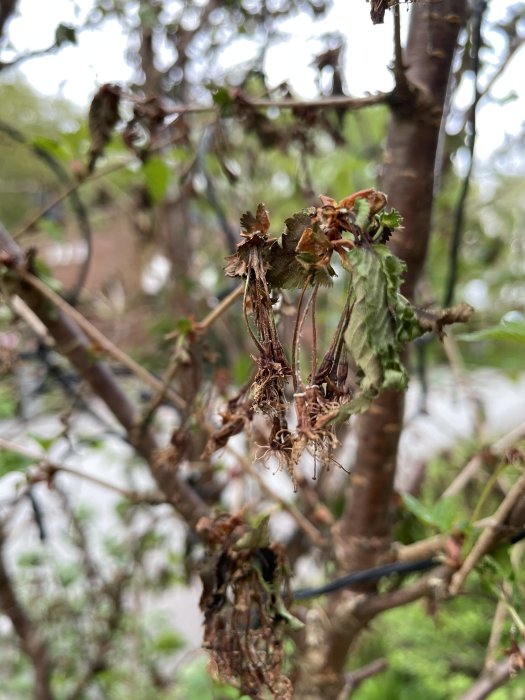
point(223, 99)
point(13, 461)
point(506, 330)
point(418, 509)
point(65, 34)
point(446, 514)
point(52, 229)
point(7, 403)
point(45, 442)
point(168, 641)
point(382, 320)
point(157, 177)
point(391, 219)
point(499, 558)
point(30, 558)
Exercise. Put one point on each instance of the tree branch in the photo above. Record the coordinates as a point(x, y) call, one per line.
point(72, 342)
point(497, 676)
point(98, 339)
point(30, 637)
point(48, 468)
point(364, 532)
point(489, 535)
point(457, 229)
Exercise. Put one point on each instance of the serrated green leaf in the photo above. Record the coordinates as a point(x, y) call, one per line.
point(391, 219)
point(382, 320)
point(157, 177)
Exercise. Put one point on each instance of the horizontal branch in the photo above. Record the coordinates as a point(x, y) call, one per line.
point(49, 467)
point(352, 103)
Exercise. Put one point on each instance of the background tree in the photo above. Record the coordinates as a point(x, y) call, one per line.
point(198, 143)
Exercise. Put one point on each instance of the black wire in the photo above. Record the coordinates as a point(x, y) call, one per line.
point(366, 576)
point(378, 572)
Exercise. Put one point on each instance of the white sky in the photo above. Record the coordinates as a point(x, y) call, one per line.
point(100, 56)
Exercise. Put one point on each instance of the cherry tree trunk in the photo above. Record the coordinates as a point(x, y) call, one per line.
point(364, 533)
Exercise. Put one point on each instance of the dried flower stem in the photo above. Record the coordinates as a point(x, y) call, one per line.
point(304, 524)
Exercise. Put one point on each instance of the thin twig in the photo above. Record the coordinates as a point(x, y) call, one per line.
point(355, 678)
point(99, 340)
point(497, 676)
point(157, 398)
point(31, 639)
point(221, 307)
point(488, 536)
point(512, 50)
point(314, 335)
point(399, 67)
point(296, 379)
point(48, 467)
point(457, 230)
point(69, 191)
point(495, 636)
point(305, 525)
point(474, 464)
point(290, 103)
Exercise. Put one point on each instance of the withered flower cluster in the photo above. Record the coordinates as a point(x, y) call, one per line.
point(244, 598)
point(300, 259)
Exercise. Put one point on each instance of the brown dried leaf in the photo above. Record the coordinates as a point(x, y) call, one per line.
point(258, 224)
point(102, 119)
point(284, 269)
point(244, 612)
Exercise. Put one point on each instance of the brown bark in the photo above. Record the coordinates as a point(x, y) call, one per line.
point(363, 534)
point(364, 531)
point(29, 634)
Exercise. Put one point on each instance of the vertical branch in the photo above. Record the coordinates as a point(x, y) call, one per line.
point(363, 534)
point(364, 531)
point(30, 637)
point(470, 140)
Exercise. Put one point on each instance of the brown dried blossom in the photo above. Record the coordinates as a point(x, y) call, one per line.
point(245, 587)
